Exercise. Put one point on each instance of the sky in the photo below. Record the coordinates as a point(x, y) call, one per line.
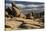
point(29, 0)
point(28, 7)
point(22, 6)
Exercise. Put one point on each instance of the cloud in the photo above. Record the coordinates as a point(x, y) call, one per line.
point(8, 4)
point(20, 5)
point(32, 5)
point(28, 9)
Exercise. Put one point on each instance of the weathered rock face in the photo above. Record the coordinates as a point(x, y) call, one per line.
point(21, 23)
point(13, 24)
point(17, 20)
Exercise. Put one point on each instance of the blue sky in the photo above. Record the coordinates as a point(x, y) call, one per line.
point(29, 0)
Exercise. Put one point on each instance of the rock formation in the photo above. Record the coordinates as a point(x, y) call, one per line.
point(17, 20)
